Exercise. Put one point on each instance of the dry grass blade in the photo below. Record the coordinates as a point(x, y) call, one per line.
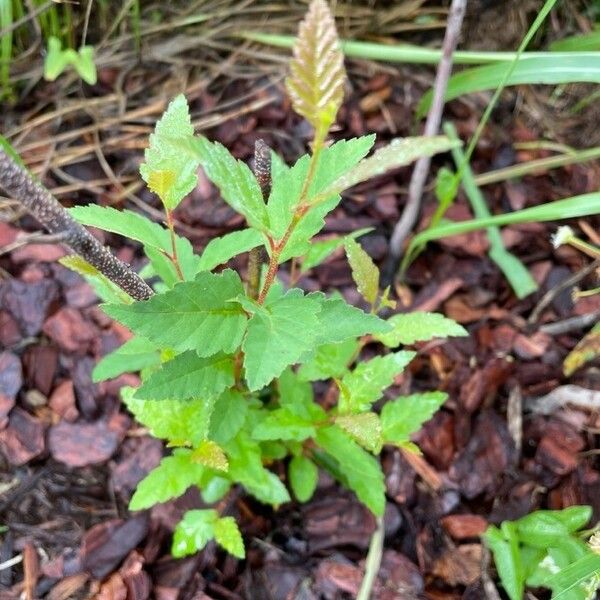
point(316, 82)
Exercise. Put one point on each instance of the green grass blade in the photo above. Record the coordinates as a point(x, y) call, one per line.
point(6, 19)
point(548, 69)
point(588, 42)
point(515, 272)
point(402, 53)
point(568, 208)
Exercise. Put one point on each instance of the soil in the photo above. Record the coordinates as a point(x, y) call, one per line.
point(71, 456)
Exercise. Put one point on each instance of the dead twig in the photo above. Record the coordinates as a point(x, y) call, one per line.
point(34, 238)
point(417, 182)
point(571, 324)
point(561, 396)
point(19, 184)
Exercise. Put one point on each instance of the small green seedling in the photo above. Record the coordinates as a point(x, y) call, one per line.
point(546, 549)
point(227, 365)
point(58, 59)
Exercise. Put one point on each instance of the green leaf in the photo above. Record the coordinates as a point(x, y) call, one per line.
point(279, 333)
point(317, 75)
point(58, 59)
point(228, 416)
point(245, 467)
point(362, 473)
point(134, 355)
point(193, 532)
point(297, 396)
point(507, 562)
point(303, 477)
point(575, 573)
point(214, 487)
point(282, 424)
point(364, 271)
point(236, 182)
point(219, 250)
point(228, 536)
point(320, 250)
point(173, 476)
point(365, 429)
point(365, 384)
point(419, 327)
point(164, 163)
point(189, 376)
point(330, 360)
point(340, 320)
point(211, 455)
point(405, 415)
point(545, 528)
point(134, 226)
point(194, 315)
point(178, 421)
point(398, 153)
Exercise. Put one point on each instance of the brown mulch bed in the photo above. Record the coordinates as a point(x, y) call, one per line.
point(71, 456)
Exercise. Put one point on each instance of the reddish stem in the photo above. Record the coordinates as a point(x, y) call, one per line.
point(174, 258)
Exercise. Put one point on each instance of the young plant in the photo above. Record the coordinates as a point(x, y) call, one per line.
point(546, 549)
point(227, 367)
point(58, 59)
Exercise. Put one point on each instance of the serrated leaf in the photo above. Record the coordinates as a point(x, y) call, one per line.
point(134, 355)
point(279, 333)
point(361, 471)
point(297, 396)
point(365, 384)
point(178, 421)
point(161, 182)
point(245, 467)
point(193, 532)
point(214, 487)
point(228, 536)
point(282, 424)
point(105, 289)
point(398, 153)
point(219, 250)
point(194, 315)
point(303, 476)
point(173, 476)
point(134, 226)
point(236, 182)
point(228, 416)
point(330, 360)
point(163, 157)
point(419, 327)
point(211, 455)
point(321, 250)
point(405, 415)
point(364, 271)
point(340, 320)
point(365, 429)
point(317, 75)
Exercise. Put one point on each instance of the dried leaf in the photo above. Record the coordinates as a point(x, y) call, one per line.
point(316, 82)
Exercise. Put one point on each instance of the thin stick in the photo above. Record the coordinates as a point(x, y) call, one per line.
point(415, 192)
point(373, 561)
point(19, 184)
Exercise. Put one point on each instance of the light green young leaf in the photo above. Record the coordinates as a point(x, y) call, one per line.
point(58, 59)
point(219, 250)
point(228, 536)
point(364, 271)
point(330, 360)
point(398, 153)
point(135, 226)
point(405, 415)
point(297, 396)
point(365, 429)
point(279, 333)
point(365, 384)
point(282, 424)
point(168, 171)
point(340, 320)
point(178, 421)
point(170, 479)
point(320, 250)
point(211, 455)
point(419, 327)
point(303, 476)
point(134, 355)
point(193, 532)
point(193, 315)
point(245, 467)
point(507, 560)
point(214, 487)
point(236, 182)
point(228, 416)
point(361, 471)
point(189, 376)
point(317, 75)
